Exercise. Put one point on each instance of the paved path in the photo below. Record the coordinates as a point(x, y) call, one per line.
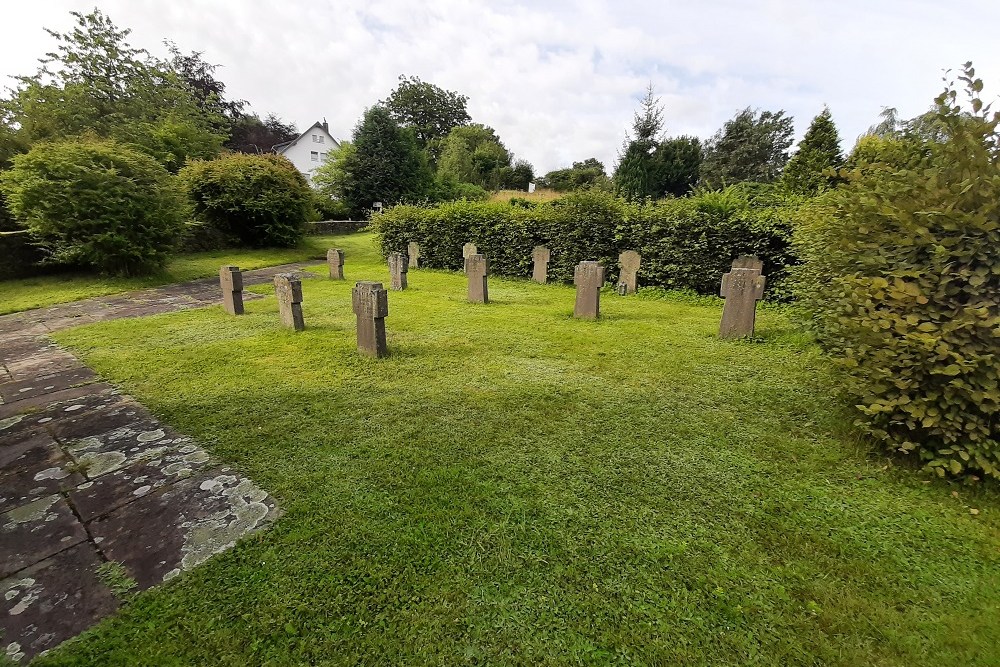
point(90, 479)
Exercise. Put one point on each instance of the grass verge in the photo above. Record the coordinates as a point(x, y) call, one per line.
point(516, 487)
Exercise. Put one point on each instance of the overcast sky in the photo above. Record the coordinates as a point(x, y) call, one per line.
point(559, 81)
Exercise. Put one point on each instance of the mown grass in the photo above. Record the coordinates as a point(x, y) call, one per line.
point(40, 291)
point(516, 487)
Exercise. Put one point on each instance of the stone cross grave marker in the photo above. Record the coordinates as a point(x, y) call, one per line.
point(231, 280)
point(477, 268)
point(413, 250)
point(467, 250)
point(398, 266)
point(370, 302)
point(335, 258)
point(540, 256)
point(742, 288)
point(628, 280)
point(588, 278)
point(288, 289)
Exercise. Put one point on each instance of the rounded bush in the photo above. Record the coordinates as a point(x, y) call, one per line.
point(902, 279)
point(96, 204)
point(258, 200)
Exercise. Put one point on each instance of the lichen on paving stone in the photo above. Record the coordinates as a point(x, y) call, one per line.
point(10, 421)
point(206, 537)
point(34, 511)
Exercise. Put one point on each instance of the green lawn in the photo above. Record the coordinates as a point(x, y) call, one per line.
point(38, 292)
point(515, 487)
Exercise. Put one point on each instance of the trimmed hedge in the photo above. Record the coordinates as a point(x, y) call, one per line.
point(685, 243)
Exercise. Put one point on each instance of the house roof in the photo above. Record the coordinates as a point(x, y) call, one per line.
point(280, 148)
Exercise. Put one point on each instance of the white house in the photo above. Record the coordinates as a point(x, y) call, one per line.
point(310, 150)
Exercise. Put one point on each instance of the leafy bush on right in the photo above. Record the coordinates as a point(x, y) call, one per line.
point(259, 200)
point(902, 276)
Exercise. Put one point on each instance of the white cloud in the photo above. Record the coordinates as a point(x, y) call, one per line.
point(559, 81)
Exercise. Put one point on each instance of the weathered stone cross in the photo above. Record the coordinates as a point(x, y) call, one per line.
point(742, 288)
point(413, 250)
point(628, 279)
point(398, 266)
point(540, 256)
point(477, 268)
point(335, 258)
point(588, 278)
point(467, 250)
point(231, 280)
point(370, 302)
point(288, 289)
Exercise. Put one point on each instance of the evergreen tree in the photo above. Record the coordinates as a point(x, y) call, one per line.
point(819, 152)
point(636, 175)
point(752, 146)
point(678, 162)
point(386, 164)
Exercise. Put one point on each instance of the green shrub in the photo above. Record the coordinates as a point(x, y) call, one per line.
point(902, 277)
point(323, 207)
point(96, 204)
point(685, 243)
point(260, 200)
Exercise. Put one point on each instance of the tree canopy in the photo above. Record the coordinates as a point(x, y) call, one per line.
point(752, 146)
point(429, 110)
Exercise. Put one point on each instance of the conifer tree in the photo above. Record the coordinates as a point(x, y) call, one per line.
point(810, 170)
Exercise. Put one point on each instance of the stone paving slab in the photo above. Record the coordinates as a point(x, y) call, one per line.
point(162, 534)
point(34, 467)
point(52, 601)
point(35, 531)
point(141, 477)
point(45, 384)
point(88, 476)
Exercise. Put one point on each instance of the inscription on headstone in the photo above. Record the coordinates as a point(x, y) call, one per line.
point(288, 289)
point(742, 288)
point(398, 266)
point(468, 250)
point(477, 268)
point(413, 250)
point(335, 258)
point(231, 280)
point(628, 279)
point(370, 302)
point(540, 256)
point(588, 278)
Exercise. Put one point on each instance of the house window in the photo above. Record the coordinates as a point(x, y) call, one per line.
point(322, 157)
point(314, 155)
point(320, 139)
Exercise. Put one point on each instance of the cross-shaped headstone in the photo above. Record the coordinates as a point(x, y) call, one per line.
point(231, 280)
point(467, 250)
point(370, 302)
point(628, 279)
point(398, 266)
point(742, 288)
point(288, 289)
point(413, 250)
point(335, 258)
point(588, 278)
point(540, 256)
point(477, 268)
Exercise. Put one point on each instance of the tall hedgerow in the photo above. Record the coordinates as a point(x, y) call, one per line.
point(902, 276)
point(97, 204)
